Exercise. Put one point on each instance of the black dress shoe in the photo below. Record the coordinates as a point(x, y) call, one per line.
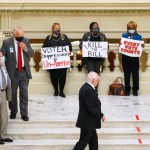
point(127, 94)
point(12, 116)
point(7, 140)
point(1, 142)
point(135, 94)
point(56, 93)
point(25, 118)
point(62, 95)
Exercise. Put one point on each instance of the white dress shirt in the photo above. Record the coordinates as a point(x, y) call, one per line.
point(91, 85)
point(16, 49)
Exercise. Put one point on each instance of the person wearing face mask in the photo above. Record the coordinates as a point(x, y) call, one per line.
point(17, 51)
point(93, 64)
point(131, 64)
point(5, 95)
point(57, 76)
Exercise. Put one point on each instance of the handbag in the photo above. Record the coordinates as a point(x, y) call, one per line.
point(116, 88)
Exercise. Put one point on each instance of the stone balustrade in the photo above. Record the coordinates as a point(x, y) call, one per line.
point(113, 60)
point(77, 76)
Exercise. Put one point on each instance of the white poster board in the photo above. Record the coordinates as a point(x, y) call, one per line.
point(95, 49)
point(55, 57)
point(131, 47)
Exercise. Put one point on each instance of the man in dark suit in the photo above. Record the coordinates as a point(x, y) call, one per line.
point(90, 115)
point(5, 95)
point(18, 51)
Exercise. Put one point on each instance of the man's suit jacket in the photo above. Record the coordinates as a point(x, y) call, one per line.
point(3, 107)
point(8, 88)
point(90, 114)
point(8, 50)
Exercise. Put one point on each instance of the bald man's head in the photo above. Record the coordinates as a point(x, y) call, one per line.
point(18, 34)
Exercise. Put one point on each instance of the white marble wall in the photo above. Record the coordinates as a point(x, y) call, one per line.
point(75, 1)
point(74, 16)
point(37, 16)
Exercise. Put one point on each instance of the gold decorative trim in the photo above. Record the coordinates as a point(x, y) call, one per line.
point(83, 12)
point(76, 7)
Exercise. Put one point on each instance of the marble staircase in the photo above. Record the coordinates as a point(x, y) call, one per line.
point(52, 124)
point(55, 135)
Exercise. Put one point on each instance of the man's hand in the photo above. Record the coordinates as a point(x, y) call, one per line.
point(120, 43)
point(23, 46)
point(103, 118)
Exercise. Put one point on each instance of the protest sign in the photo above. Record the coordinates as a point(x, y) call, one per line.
point(95, 49)
point(55, 57)
point(131, 47)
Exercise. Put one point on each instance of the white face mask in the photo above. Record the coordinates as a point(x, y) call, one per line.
point(131, 31)
point(2, 59)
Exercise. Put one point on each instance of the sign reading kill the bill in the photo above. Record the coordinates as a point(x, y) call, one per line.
point(95, 49)
point(55, 57)
point(131, 47)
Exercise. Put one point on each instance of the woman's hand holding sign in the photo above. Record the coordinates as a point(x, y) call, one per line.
point(120, 43)
point(142, 45)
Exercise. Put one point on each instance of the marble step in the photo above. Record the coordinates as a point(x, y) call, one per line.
point(46, 88)
point(41, 82)
point(67, 144)
point(17, 123)
point(74, 76)
point(73, 133)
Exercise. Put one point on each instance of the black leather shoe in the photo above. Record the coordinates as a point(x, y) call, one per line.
point(25, 118)
point(135, 94)
point(56, 93)
point(12, 116)
point(1, 142)
point(127, 94)
point(62, 95)
point(7, 140)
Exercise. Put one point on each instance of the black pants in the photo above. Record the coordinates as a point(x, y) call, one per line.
point(87, 137)
point(131, 65)
point(58, 76)
point(94, 65)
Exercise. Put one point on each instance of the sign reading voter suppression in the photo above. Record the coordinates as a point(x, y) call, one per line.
point(55, 57)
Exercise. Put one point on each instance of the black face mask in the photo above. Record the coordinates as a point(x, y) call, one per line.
point(57, 32)
point(95, 30)
point(19, 39)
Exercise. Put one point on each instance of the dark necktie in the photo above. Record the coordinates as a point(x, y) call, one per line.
point(3, 79)
point(19, 59)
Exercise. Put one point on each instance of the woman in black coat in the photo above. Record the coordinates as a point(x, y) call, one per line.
point(58, 76)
